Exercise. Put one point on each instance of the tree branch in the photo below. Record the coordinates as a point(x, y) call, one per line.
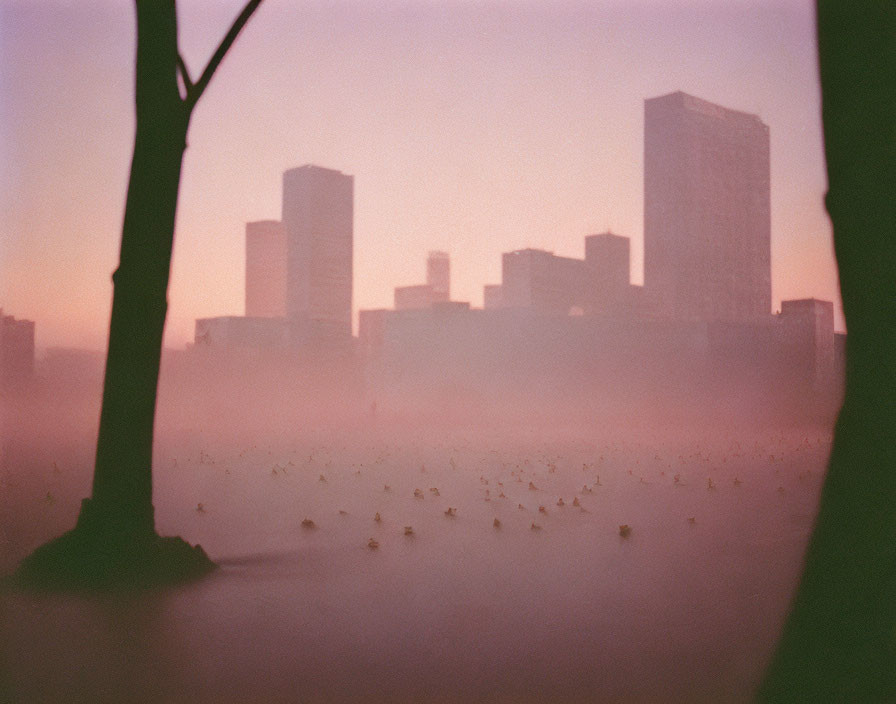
point(196, 90)
point(184, 74)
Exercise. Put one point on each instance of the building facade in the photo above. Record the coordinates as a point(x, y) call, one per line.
point(265, 269)
point(415, 297)
point(318, 219)
point(492, 296)
point(541, 281)
point(230, 332)
point(807, 333)
point(608, 257)
point(16, 350)
point(707, 221)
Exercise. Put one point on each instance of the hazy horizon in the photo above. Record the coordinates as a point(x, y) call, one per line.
point(471, 128)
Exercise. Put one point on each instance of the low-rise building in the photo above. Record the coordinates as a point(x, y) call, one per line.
point(16, 350)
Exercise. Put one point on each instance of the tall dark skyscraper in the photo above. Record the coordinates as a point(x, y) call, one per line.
point(318, 218)
point(707, 221)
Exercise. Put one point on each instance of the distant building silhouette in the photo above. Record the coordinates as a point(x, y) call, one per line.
point(492, 296)
point(520, 350)
point(607, 255)
point(236, 331)
point(82, 368)
point(436, 289)
point(808, 337)
point(318, 218)
point(559, 324)
point(707, 223)
point(371, 327)
point(415, 297)
point(265, 269)
point(16, 350)
point(438, 275)
point(541, 281)
point(298, 272)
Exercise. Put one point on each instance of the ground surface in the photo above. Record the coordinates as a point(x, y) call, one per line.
point(681, 610)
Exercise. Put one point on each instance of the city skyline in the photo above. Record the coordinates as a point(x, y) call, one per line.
point(707, 243)
point(526, 133)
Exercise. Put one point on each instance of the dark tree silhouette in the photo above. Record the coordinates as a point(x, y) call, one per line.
point(839, 643)
point(115, 537)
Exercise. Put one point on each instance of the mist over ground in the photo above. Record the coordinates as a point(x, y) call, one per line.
point(717, 483)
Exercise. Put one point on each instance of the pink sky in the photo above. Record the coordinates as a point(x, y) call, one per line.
point(472, 127)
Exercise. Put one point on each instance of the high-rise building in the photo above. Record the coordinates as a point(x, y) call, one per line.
point(265, 269)
point(707, 223)
point(438, 275)
point(318, 218)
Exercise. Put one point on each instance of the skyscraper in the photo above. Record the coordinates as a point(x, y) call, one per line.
point(265, 269)
point(707, 222)
point(318, 218)
point(438, 275)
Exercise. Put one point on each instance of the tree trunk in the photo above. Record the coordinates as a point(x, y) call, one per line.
point(839, 643)
point(115, 542)
point(122, 487)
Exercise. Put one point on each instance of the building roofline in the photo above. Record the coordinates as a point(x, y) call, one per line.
point(314, 167)
point(705, 106)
